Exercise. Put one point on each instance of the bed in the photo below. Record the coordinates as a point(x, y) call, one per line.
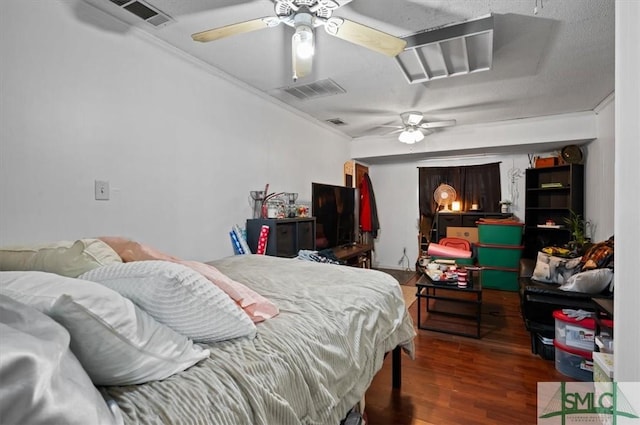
point(309, 364)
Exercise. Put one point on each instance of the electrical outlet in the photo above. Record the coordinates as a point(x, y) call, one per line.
point(102, 190)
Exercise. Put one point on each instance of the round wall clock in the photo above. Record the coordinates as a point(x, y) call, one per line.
point(572, 154)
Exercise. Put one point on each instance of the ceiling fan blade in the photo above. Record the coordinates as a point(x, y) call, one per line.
point(365, 36)
point(233, 29)
point(398, 130)
point(438, 124)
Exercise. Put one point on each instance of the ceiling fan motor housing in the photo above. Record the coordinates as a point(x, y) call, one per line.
point(319, 8)
point(412, 118)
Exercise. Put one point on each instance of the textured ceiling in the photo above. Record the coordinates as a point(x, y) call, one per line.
point(556, 61)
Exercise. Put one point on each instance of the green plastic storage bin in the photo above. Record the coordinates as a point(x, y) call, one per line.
point(499, 255)
point(503, 279)
point(500, 234)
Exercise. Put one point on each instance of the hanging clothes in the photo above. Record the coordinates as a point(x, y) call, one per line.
point(368, 210)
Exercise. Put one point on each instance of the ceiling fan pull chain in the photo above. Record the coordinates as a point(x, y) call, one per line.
point(535, 9)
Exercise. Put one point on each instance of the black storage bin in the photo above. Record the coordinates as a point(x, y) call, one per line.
point(543, 346)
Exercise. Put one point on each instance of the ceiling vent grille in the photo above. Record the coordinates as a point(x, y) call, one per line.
point(448, 51)
point(320, 88)
point(144, 11)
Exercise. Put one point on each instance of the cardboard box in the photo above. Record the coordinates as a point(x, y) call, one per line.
point(546, 162)
point(468, 233)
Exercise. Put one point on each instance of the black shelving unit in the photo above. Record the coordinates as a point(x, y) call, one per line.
point(551, 194)
point(286, 235)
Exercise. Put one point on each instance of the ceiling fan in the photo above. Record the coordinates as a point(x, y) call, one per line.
point(414, 127)
point(304, 16)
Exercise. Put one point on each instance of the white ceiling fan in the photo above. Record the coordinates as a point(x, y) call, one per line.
point(414, 127)
point(304, 16)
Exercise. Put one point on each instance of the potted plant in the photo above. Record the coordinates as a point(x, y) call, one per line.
point(577, 226)
point(505, 206)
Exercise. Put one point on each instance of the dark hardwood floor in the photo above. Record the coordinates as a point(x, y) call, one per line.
point(459, 380)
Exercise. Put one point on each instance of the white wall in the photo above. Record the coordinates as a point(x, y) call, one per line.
point(599, 175)
point(83, 99)
point(627, 201)
point(396, 190)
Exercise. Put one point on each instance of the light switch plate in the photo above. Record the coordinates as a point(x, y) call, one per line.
point(102, 190)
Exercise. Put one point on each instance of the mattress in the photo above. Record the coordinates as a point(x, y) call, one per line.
point(308, 365)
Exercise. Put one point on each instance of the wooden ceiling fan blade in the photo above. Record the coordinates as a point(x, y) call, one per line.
point(438, 124)
point(233, 29)
point(365, 36)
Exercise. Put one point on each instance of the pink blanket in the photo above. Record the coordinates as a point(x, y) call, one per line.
point(255, 305)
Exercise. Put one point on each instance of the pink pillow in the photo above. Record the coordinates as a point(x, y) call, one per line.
point(255, 305)
point(130, 250)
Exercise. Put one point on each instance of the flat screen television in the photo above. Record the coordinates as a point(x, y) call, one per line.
point(335, 209)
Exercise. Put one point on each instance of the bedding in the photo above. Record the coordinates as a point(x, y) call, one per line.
point(255, 305)
point(204, 314)
point(66, 258)
point(116, 342)
point(310, 364)
point(42, 380)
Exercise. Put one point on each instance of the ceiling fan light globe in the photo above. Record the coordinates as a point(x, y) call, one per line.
point(418, 136)
point(407, 137)
point(303, 42)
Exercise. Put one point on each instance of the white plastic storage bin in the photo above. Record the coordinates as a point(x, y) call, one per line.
point(572, 362)
point(574, 333)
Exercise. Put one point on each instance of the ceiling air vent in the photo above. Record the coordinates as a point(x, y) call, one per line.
point(144, 11)
point(320, 88)
point(448, 51)
point(336, 121)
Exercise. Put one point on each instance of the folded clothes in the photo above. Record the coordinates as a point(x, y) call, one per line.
point(320, 257)
point(577, 314)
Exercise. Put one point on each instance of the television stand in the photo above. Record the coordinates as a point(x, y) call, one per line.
point(358, 255)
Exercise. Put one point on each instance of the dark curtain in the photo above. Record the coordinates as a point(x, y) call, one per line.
point(474, 184)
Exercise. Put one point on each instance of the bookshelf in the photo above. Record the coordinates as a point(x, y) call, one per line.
point(551, 194)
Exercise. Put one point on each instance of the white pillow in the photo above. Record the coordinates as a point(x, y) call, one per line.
point(552, 269)
point(67, 258)
point(179, 297)
point(42, 381)
point(116, 343)
point(590, 281)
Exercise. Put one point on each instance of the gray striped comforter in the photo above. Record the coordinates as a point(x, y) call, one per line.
point(308, 365)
